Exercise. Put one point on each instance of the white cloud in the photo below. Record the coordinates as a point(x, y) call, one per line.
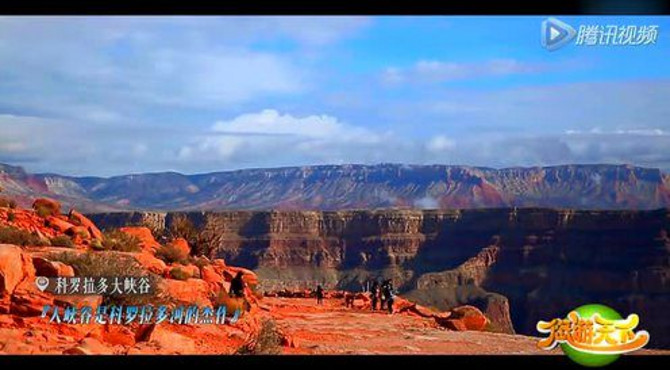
point(436, 71)
point(628, 131)
point(440, 143)
point(110, 68)
point(270, 134)
point(427, 202)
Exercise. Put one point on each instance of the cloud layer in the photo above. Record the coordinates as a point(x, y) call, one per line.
point(114, 95)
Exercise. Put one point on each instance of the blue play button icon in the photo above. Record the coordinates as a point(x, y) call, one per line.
point(555, 34)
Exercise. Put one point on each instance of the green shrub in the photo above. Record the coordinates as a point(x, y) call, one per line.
point(11, 217)
point(43, 212)
point(182, 227)
point(7, 203)
point(62, 241)
point(179, 274)
point(171, 254)
point(96, 245)
point(117, 240)
point(12, 235)
point(200, 261)
point(267, 341)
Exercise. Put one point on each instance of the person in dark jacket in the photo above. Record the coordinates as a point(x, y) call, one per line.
point(387, 295)
point(319, 294)
point(237, 286)
point(374, 294)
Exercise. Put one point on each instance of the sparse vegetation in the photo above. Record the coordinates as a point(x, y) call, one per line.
point(109, 265)
point(267, 342)
point(43, 211)
point(46, 207)
point(172, 254)
point(12, 235)
point(182, 227)
point(116, 240)
point(62, 241)
point(179, 274)
point(11, 217)
point(96, 245)
point(7, 203)
point(232, 304)
point(200, 261)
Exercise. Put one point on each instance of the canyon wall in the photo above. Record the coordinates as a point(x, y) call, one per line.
point(520, 264)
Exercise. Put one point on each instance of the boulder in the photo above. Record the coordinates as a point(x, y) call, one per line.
point(78, 234)
point(453, 324)
point(49, 204)
point(12, 269)
point(182, 245)
point(45, 267)
point(58, 224)
point(117, 335)
point(219, 264)
point(360, 303)
point(150, 263)
point(248, 276)
point(27, 301)
point(192, 270)
point(81, 220)
point(209, 274)
point(147, 241)
point(423, 311)
point(471, 316)
point(191, 291)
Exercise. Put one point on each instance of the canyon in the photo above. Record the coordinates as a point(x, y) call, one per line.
point(517, 265)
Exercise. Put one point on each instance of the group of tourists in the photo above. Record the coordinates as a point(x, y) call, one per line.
point(382, 294)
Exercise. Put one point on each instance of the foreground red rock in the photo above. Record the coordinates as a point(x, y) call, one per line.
point(147, 241)
point(334, 329)
point(81, 220)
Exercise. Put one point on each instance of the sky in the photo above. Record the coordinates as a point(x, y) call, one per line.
point(108, 96)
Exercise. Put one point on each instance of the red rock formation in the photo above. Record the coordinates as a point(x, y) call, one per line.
point(147, 241)
point(471, 317)
point(149, 262)
point(182, 245)
point(81, 220)
point(50, 205)
point(44, 267)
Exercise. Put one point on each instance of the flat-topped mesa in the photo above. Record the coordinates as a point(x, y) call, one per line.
point(344, 187)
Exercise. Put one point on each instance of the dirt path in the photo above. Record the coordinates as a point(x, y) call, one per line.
point(334, 329)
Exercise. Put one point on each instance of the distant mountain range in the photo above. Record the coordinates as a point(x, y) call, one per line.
point(339, 187)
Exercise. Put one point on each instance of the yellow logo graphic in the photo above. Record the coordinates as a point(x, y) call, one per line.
point(595, 334)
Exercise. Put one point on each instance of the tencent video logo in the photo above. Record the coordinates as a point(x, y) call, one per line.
point(555, 34)
point(593, 335)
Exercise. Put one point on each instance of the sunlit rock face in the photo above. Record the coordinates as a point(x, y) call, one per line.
point(539, 262)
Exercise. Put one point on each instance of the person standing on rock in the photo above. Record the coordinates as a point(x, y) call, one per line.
point(237, 286)
point(387, 295)
point(319, 294)
point(374, 294)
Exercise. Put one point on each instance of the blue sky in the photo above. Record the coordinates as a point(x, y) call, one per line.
point(115, 95)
